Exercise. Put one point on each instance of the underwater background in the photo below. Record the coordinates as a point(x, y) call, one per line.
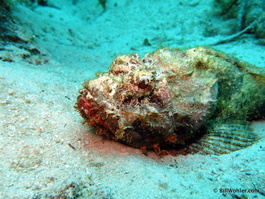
point(49, 48)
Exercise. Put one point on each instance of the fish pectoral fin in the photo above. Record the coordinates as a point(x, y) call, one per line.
point(223, 138)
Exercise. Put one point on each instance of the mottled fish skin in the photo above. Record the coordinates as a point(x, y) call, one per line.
point(195, 100)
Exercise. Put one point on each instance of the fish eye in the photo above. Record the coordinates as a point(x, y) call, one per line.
point(143, 84)
point(147, 62)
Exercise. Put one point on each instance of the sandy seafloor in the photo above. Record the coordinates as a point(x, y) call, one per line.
point(46, 152)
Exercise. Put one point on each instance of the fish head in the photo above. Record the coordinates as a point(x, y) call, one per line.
point(143, 102)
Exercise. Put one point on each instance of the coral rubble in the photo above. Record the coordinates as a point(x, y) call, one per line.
point(246, 13)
